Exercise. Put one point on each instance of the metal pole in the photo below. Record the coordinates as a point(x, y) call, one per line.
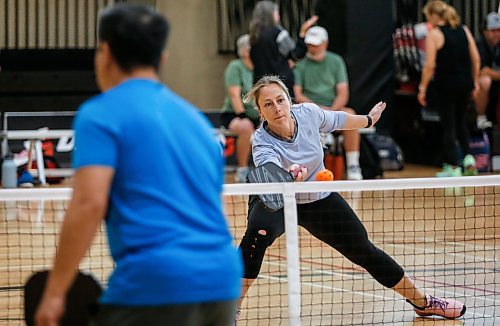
point(292, 255)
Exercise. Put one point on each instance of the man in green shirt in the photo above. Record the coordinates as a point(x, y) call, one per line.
point(240, 118)
point(321, 78)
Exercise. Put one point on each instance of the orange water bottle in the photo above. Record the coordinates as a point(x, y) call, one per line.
point(338, 158)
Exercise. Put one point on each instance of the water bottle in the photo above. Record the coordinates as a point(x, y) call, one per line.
point(338, 159)
point(9, 172)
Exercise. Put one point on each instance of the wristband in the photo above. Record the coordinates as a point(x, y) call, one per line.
point(370, 122)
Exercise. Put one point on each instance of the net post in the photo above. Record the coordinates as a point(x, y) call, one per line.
point(39, 162)
point(292, 255)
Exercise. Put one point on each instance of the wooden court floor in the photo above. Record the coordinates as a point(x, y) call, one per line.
point(447, 243)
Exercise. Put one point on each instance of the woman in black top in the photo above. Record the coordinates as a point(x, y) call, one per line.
point(272, 49)
point(452, 57)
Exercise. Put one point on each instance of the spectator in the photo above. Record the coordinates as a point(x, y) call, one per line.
point(451, 56)
point(240, 118)
point(273, 50)
point(488, 45)
point(321, 78)
point(147, 162)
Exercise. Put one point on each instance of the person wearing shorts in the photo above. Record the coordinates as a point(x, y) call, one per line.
point(240, 118)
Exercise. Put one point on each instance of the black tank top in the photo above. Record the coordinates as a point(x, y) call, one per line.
point(453, 63)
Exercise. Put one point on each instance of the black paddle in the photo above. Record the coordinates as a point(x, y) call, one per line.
point(270, 173)
point(81, 301)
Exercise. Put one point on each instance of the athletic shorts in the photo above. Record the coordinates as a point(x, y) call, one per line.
point(216, 313)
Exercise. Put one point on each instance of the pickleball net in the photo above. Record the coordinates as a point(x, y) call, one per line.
point(445, 233)
point(29, 227)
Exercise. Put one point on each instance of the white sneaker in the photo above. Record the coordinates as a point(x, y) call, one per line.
point(483, 123)
point(354, 172)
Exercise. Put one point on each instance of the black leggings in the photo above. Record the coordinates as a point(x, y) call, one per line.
point(332, 221)
point(452, 107)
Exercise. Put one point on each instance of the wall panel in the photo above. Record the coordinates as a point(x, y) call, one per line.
point(49, 24)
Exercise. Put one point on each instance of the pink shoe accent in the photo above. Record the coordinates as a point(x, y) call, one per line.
point(447, 308)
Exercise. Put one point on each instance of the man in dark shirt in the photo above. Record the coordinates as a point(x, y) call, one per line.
point(489, 79)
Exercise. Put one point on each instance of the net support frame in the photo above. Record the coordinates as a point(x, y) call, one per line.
point(289, 190)
point(292, 254)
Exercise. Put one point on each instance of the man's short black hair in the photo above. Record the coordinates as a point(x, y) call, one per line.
point(136, 34)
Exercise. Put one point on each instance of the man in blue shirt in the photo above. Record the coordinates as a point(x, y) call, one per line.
point(148, 163)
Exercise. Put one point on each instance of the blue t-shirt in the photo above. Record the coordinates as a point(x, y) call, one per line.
point(165, 223)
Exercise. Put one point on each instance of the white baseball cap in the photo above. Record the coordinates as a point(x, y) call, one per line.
point(492, 21)
point(316, 35)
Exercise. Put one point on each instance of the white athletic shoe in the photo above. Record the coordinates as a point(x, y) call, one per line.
point(354, 172)
point(483, 123)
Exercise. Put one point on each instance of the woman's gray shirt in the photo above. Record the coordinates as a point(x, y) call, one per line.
point(305, 148)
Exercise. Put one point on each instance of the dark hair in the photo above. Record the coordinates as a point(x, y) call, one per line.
point(262, 17)
point(484, 24)
point(136, 34)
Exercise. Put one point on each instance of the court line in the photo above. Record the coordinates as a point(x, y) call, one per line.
point(444, 243)
point(420, 240)
point(313, 285)
point(473, 258)
point(404, 242)
point(31, 268)
point(464, 244)
point(362, 270)
point(321, 271)
point(423, 279)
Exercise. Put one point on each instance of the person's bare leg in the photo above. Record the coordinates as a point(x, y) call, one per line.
point(245, 285)
point(408, 290)
point(243, 147)
point(244, 129)
point(483, 95)
point(351, 140)
point(351, 147)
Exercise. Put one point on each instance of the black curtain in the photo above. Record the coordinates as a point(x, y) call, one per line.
point(361, 32)
point(332, 16)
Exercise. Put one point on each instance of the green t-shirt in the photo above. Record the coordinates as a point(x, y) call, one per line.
point(319, 79)
point(237, 74)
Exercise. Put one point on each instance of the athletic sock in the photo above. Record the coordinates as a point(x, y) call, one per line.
point(352, 158)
